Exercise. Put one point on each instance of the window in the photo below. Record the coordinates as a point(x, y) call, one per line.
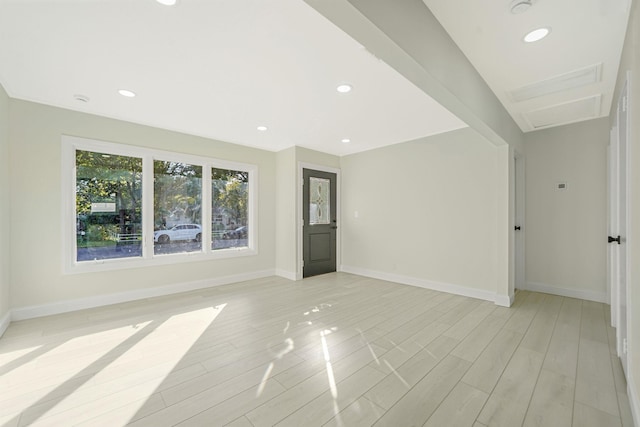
point(229, 200)
point(177, 207)
point(319, 200)
point(128, 206)
point(108, 206)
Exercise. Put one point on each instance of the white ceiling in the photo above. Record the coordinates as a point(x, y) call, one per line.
point(220, 68)
point(213, 68)
point(586, 38)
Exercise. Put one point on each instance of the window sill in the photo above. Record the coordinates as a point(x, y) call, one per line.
point(156, 260)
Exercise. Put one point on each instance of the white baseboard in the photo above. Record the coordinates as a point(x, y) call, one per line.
point(102, 300)
point(504, 300)
point(634, 399)
point(566, 292)
point(422, 283)
point(291, 275)
point(4, 322)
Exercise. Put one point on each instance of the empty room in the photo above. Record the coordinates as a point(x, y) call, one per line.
point(319, 213)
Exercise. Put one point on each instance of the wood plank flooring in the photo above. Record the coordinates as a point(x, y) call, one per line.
point(333, 350)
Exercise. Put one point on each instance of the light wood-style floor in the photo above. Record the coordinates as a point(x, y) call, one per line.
point(335, 350)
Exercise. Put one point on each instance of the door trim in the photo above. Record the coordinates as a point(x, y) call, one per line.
point(612, 210)
point(519, 219)
point(628, 183)
point(299, 183)
point(623, 325)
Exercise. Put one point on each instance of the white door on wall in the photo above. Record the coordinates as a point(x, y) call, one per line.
point(618, 217)
point(519, 229)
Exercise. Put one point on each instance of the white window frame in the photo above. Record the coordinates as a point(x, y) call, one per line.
point(71, 266)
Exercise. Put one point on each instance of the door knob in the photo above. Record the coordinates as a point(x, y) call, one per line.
point(517, 228)
point(613, 239)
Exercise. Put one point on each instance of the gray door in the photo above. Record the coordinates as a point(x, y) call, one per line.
point(320, 224)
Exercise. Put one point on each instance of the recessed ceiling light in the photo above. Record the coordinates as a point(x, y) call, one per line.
point(538, 34)
point(167, 2)
point(262, 128)
point(520, 6)
point(344, 88)
point(345, 140)
point(81, 98)
point(127, 93)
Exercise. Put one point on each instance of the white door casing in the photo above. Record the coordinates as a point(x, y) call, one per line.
point(618, 223)
point(612, 224)
point(519, 221)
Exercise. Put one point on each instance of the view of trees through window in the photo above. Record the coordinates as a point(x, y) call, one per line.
point(108, 206)
point(109, 199)
point(229, 210)
point(177, 207)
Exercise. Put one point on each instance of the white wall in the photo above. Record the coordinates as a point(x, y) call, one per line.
point(631, 62)
point(5, 220)
point(566, 229)
point(37, 277)
point(286, 213)
point(306, 155)
point(427, 212)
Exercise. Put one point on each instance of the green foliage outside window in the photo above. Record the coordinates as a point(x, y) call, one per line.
point(177, 193)
point(107, 179)
point(230, 194)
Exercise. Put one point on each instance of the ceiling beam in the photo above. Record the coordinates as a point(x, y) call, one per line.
point(408, 37)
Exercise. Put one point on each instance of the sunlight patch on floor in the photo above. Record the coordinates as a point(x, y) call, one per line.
point(327, 359)
point(289, 346)
point(139, 353)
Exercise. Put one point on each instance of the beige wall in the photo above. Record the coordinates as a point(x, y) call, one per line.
point(35, 138)
point(427, 210)
point(631, 62)
point(5, 219)
point(566, 229)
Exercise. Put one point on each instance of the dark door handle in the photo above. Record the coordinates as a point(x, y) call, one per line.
point(613, 239)
point(334, 227)
point(517, 228)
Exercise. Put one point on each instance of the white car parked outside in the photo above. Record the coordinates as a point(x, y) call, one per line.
point(178, 232)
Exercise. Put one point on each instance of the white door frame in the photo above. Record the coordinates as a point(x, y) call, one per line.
point(299, 255)
point(612, 223)
point(519, 220)
point(619, 184)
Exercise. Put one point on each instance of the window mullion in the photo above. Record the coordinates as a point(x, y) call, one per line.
point(252, 209)
point(147, 207)
point(206, 208)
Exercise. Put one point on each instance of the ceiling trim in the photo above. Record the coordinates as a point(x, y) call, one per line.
point(573, 79)
point(564, 113)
